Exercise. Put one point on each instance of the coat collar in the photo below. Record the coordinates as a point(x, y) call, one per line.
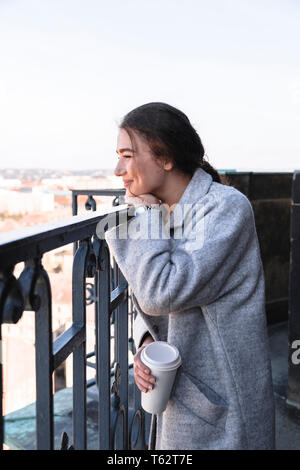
point(196, 189)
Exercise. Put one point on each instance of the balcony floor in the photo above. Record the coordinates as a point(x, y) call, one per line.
point(20, 425)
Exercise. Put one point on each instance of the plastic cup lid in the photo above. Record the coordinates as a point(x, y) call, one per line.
point(161, 355)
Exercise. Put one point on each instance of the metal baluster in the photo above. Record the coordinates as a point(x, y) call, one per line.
point(12, 304)
point(96, 292)
point(74, 212)
point(122, 358)
point(140, 417)
point(103, 343)
point(79, 359)
point(43, 352)
point(90, 203)
point(115, 283)
point(118, 430)
point(140, 442)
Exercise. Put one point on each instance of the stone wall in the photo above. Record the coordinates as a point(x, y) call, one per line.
point(293, 386)
point(270, 196)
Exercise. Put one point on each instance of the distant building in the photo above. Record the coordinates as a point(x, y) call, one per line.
point(15, 202)
point(10, 183)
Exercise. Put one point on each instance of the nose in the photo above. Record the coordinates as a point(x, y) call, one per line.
point(119, 170)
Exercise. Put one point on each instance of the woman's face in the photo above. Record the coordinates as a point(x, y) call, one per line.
point(140, 171)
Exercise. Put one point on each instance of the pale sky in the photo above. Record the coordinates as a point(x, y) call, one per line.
point(70, 69)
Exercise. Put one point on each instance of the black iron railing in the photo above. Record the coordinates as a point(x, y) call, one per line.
point(121, 423)
point(119, 426)
point(91, 204)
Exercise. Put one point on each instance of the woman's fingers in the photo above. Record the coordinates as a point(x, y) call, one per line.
point(143, 385)
point(144, 370)
point(142, 199)
point(145, 381)
point(132, 200)
point(148, 378)
point(149, 199)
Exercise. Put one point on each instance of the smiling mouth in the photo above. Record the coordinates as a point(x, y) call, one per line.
point(127, 183)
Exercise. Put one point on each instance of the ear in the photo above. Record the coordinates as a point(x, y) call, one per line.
point(168, 165)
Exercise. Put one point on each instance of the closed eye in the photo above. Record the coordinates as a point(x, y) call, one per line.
point(126, 156)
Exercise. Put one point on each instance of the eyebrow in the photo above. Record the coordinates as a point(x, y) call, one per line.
point(126, 149)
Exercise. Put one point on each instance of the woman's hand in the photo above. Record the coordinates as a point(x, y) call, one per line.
point(142, 199)
point(142, 376)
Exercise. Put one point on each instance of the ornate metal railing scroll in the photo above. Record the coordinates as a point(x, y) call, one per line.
point(120, 426)
point(138, 421)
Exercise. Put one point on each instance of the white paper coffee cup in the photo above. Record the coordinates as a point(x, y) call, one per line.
point(163, 359)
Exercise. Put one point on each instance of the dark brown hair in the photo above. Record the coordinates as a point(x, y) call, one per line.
point(169, 133)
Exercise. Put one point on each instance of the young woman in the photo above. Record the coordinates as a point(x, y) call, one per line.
point(206, 298)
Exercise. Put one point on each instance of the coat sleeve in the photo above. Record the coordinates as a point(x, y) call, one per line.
point(167, 280)
point(139, 330)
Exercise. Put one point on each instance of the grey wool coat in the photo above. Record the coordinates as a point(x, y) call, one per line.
point(209, 301)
